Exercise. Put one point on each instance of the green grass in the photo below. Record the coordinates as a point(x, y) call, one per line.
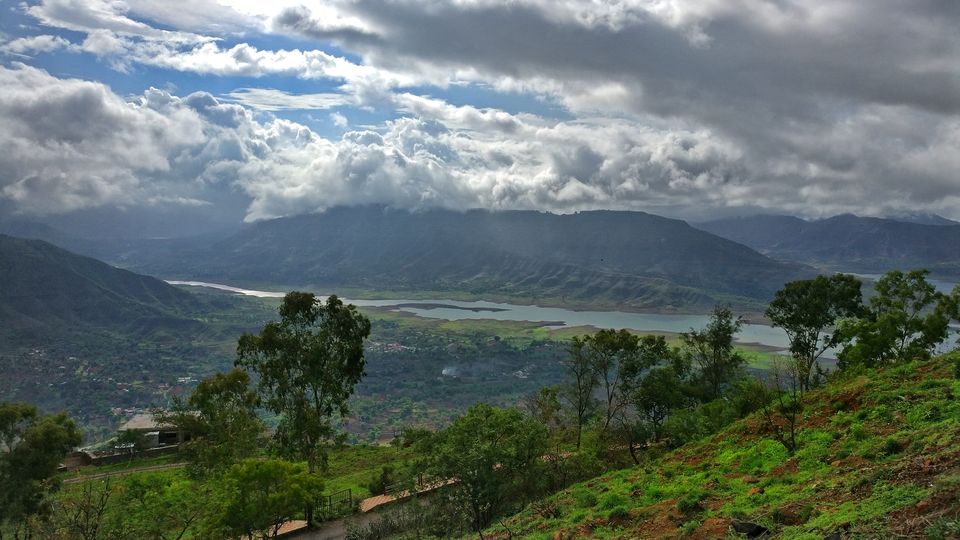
point(353, 467)
point(861, 464)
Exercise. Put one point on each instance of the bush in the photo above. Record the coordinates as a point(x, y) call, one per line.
point(585, 499)
point(617, 513)
point(892, 446)
point(613, 500)
point(943, 528)
point(691, 502)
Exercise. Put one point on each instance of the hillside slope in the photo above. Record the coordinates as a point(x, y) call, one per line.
point(45, 291)
point(849, 242)
point(630, 258)
point(879, 458)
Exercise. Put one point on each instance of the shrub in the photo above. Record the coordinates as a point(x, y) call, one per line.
point(620, 512)
point(943, 529)
point(691, 502)
point(585, 499)
point(892, 446)
point(613, 500)
point(689, 527)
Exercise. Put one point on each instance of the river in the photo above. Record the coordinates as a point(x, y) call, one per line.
point(452, 310)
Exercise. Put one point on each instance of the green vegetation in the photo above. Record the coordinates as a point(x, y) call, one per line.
point(31, 447)
point(806, 309)
point(878, 456)
point(307, 364)
point(691, 442)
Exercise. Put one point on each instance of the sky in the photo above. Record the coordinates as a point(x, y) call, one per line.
point(163, 114)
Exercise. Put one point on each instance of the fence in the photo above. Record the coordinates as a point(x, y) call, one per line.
point(335, 504)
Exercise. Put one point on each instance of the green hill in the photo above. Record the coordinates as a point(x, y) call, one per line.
point(879, 458)
point(47, 291)
point(630, 259)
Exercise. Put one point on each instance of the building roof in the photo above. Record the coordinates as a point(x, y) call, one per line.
point(144, 422)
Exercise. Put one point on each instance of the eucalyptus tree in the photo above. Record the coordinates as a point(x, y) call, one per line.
point(308, 364)
point(904, 320)
point(808, 311)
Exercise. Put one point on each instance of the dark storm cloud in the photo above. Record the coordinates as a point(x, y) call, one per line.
point(826, 99)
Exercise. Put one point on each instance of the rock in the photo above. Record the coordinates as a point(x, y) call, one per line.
point(752, 530)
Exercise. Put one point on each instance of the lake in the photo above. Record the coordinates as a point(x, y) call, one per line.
point(452, 310)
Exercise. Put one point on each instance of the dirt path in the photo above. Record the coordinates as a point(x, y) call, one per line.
point(123, 472)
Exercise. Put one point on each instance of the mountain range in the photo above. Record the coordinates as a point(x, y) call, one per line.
point(629, 259)
point(46, 290)
point(850, 243)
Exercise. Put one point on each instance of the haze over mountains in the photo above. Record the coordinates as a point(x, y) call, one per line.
point(47, 291)
point(850, 243)
point(631, 259)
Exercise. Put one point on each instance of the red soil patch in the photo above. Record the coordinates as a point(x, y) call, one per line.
point(711, 529)
point(787, 467)
point(850, 400)
point(912, 521)
point(659, 521)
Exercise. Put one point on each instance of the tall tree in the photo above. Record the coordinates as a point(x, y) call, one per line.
point(221, 417)
point(712, 351)
point(308, 365)
point(806, 310)
point(492, 454)
point(31, 448)
point(618, 360)
point(581, 382)
point(906, 319)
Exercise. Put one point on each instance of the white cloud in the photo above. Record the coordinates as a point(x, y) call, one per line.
point(799, 106)
point(339, 120)
point(271, 99)
point(36, 44)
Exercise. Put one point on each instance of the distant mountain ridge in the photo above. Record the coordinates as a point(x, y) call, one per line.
point(849, 242)
point(45, 290)
point(625, 258)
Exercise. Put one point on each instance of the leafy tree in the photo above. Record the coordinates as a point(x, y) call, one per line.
point(806, 309)
point(616, 357)
point(544, 406)
point(308, 365)
point(31, 449)
point(494, 457)
point(85, 514)
point(783, 409)
point(265, 494)
point(906, 319)
point(660, 393)
point(221, 417)
point(164, 506)
point(581, 382)
point(712, 351)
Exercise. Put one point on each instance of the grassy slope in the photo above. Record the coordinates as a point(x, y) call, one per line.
point(880, 458)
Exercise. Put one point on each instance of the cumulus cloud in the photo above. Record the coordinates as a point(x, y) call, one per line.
point(679, 106)
point(36, 44)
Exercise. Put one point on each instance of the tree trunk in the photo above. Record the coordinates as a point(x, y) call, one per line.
point(633, 453)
